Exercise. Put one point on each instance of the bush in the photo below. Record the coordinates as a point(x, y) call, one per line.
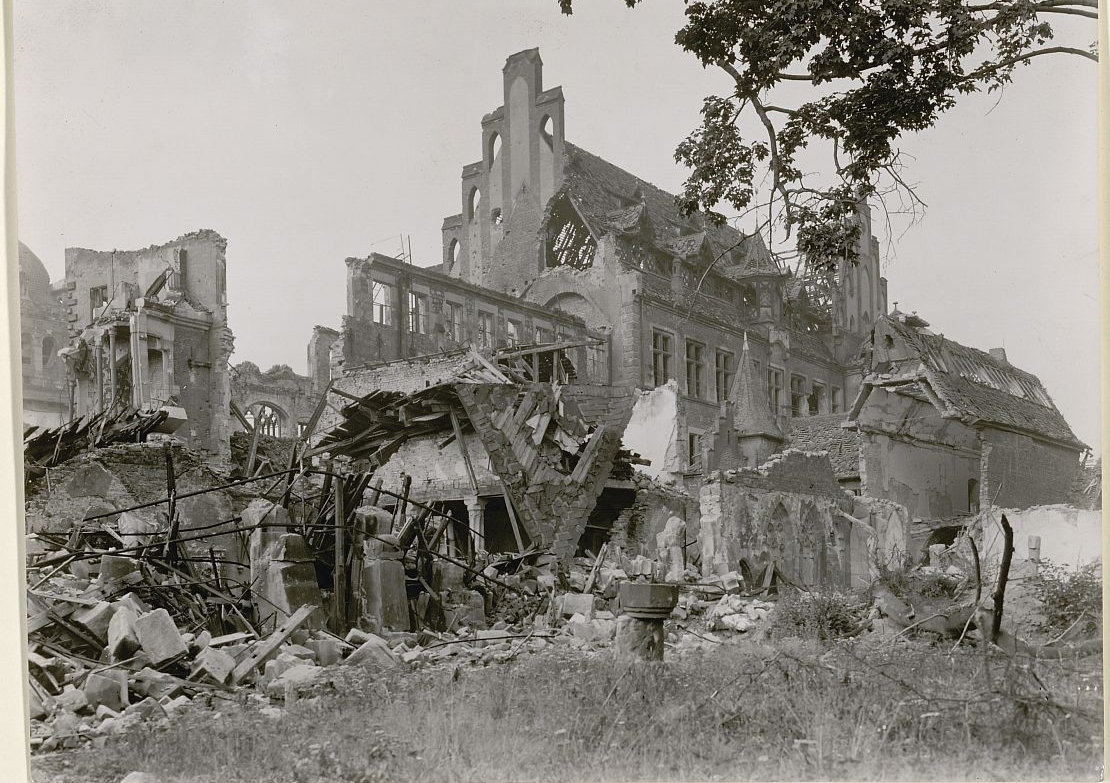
point(1069, 593)
point(824, 616)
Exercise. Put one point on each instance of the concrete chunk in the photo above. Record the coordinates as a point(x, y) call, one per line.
point(578, 603)
point(72, 700)
point(123, 635)
point(327, 651)
point(95, 619)
point(104, 691)
point(213, 664)
point(374, 651)
point(116, 568)
point(159, 637)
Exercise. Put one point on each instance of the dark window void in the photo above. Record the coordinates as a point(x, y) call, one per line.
point(569, 242)
point(973, 496)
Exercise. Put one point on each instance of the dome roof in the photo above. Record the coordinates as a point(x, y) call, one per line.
point(32, 273)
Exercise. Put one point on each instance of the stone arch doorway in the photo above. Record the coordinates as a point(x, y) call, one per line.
point(269, 418)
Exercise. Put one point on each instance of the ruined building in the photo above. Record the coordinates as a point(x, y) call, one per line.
point(947, 430)
point(555, 243)
point(148, 329)
point(741, 375)
point(42, 333)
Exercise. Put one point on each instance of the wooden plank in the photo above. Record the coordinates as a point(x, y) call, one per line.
point(269, 646)
point(238, 414)
point(339, 576)
point(465, 454)
point(512, 517)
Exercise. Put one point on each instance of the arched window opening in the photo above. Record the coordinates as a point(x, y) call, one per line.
point(47, 351)
point(569, 242)
point(973, 496)
point(452, 253)
point(546, 130)
point(495, 216)
point(266, 417)
point(473, 201)
point(494, 149)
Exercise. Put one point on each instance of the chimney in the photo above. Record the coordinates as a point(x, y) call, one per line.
point(999, 355)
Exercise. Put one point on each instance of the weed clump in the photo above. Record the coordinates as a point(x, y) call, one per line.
point(1069, 595)
point(824, 616)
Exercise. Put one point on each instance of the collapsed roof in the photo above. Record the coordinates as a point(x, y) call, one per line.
point(973, 386)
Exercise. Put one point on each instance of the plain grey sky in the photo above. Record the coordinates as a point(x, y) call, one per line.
point(306, 133)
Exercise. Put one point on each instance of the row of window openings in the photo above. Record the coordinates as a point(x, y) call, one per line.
point(802, 402)
point(418, 319)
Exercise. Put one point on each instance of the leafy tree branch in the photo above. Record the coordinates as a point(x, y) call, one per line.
point(876, 70)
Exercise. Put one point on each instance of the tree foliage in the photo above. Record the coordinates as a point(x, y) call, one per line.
point(869, 71)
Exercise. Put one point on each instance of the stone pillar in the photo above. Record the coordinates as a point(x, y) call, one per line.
point(639, 639)
point(476, 519)
point(99, 353)
point(112, 362)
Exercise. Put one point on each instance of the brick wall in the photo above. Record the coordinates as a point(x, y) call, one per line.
point(787, 512)
point(1019, 471)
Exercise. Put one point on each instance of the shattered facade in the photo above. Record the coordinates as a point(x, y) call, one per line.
point(279, 401)
point(43, 332)
point(149, 330)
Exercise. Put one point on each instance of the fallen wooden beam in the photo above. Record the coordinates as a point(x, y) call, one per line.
point(269, 646)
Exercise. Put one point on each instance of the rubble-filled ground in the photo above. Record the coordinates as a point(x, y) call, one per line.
point(724, 706)
point(798, 688)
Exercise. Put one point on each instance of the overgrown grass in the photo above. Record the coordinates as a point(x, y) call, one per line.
point(792, 710)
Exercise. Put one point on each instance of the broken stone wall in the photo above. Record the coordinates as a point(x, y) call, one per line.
point(910, 455)
point(652, 432)
point(319, 357)
point(293, 396)
point(192, 300)
point(1019, 471)
point(438, 473)
point(1068, 536)
point(122, 476)
point(788, 510)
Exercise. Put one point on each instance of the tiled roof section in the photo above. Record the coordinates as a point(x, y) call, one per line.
point(757, 263)
point(599, 189)
point(686, 245)
point(611, 405)
point(978, 387)
point(811, 344)
point(824, 433)
point(625, 218)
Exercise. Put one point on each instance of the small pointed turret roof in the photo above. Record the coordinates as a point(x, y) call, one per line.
point(751, 415)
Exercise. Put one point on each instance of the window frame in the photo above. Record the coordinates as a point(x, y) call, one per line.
point(723, 376)
point(418, 312)
point(695, 368)
point(381, 307)
point(662, 356)
point(486, 329)
point(774, 390)
point(798, 404)
point(819, 389)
